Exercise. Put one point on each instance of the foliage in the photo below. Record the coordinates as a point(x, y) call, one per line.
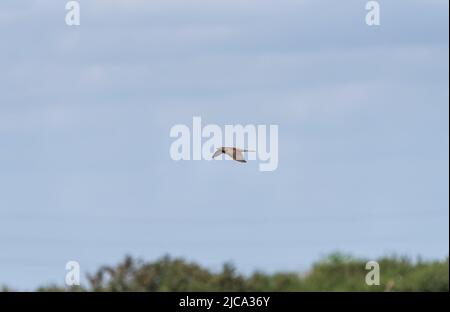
point(337, 272)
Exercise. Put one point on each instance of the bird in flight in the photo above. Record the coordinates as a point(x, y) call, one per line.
point(233, 152)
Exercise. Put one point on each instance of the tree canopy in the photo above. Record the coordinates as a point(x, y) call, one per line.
point(337, 272)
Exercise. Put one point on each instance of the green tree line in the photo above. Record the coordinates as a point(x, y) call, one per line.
point(336, 272)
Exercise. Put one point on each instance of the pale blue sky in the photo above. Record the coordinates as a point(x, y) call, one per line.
point(85, 114)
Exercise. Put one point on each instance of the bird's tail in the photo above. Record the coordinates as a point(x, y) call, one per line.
point(251, 151)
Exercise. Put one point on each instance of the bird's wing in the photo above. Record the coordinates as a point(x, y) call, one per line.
point(217, 153)
point(235, 154)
